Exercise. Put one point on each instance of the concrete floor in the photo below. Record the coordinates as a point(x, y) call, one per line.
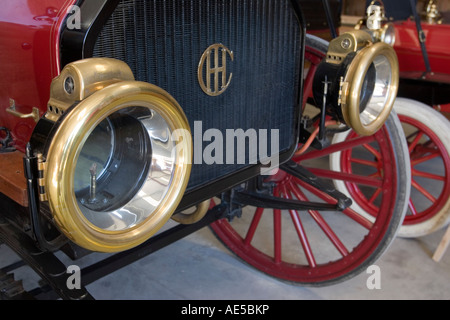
point(199, 267)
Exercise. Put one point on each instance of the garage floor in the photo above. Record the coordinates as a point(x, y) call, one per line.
point(199, 267)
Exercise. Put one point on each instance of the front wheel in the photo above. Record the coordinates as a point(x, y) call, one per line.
point(322, 248)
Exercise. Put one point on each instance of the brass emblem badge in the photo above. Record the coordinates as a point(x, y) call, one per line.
point(212, 70)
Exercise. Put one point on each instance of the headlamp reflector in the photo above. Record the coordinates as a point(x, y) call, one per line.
point(118, 166)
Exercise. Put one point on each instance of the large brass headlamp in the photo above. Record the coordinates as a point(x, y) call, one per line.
point(119, 160)
point(358, 81)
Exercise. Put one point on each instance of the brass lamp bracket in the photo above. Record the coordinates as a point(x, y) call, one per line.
point(12, 110)
point(81, 79)
point(342, 46)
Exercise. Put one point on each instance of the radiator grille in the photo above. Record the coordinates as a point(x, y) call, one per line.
point(163, 41)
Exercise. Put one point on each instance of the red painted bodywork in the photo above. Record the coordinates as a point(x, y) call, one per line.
point(409, 52)
point(29, 59)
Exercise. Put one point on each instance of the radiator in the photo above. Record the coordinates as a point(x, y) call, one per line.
point(164, 41)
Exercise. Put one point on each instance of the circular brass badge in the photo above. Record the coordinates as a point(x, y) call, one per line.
point(212, 70)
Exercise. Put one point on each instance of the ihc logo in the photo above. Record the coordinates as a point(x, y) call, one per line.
point(214, 80)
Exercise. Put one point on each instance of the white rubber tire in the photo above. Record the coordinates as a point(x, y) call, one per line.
point(441, 127)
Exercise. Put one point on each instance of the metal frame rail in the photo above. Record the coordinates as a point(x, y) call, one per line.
point(54, 272)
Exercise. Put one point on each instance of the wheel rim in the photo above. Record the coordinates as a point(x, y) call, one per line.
point(431, 185)
point(312, 270)
point(432, 188)
point(325, 252)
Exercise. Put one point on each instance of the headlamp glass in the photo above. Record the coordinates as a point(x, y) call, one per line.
point(124, 169)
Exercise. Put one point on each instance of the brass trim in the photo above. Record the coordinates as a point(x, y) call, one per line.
point(81, 79)
point(355, 77)
point(190, 218)
point(348, 42)
point(12, 111)
point(432, 15)
point(65, 149)
point(219, 71)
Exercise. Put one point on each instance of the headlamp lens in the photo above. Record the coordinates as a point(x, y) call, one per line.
point(124, 169)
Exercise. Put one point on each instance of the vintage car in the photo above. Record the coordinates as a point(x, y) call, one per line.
point(120, 115)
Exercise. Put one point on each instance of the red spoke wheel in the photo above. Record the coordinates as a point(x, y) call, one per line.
point(426, 131)
point(321, 248)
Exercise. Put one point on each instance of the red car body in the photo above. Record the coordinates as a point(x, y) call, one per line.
point(29, 60)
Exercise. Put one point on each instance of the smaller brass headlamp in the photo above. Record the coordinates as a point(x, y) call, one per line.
point(362, 79)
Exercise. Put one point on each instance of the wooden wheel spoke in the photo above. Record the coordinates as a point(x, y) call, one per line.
point(368, 163)
point(427, 175)
point(425, 159)
point(253, 226)
point(301, 233)
point(277, 232)
point(309, 83)
point(337, 147)
point(352, 214)
point(375, 195)
point(423, 191)
point(277, 235)
point(348, 177)
point(412, 207)
point(321, 222)
point(373, 151)
point(416, 140)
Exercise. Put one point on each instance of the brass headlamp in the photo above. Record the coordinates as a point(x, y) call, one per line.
point(361, 75)
point(117, 158)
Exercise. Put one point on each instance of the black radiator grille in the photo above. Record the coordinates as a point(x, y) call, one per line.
point(163, 41)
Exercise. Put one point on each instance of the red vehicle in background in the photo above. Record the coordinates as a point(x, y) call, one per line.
point(423, 47)
point(422, 44)
point(426, 67)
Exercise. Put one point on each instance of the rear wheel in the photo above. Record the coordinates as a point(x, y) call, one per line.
point(321, 248)
point(426, 132)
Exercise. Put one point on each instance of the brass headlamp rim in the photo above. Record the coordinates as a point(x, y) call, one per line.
point(66, 147)
point(353, 81)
